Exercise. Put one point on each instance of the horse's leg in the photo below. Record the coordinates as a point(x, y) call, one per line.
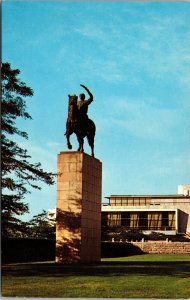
point(90, 139)
point(90, 136)
point(68, 133)
point(79, 141)
point(81, 144)
point(92, 148)
point(68, 142)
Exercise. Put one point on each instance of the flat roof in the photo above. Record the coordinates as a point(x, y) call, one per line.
point(110, 208)
point(148, 196)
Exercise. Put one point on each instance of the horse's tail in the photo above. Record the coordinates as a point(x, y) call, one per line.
point(91, 128)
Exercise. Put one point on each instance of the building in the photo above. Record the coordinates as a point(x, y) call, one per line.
point(166, 214)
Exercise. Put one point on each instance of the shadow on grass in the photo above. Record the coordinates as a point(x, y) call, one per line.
point(176, 269)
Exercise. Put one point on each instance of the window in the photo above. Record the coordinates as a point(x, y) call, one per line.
point(134, 221)
point(154, 220)
point(171, 220)
point(112, 201)
point(143, 220)
point(118, 201)
point(125, 219)
point(104, 219)
point(124, 201)
point(114, 219)
point(130, 201)
point(165, 220)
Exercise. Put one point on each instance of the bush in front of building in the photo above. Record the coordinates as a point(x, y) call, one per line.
point(121, 233)
point(118, 249)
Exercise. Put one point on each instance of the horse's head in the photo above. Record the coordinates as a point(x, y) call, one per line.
point(72, 99)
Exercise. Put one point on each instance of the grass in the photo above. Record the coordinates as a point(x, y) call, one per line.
point(142, 276)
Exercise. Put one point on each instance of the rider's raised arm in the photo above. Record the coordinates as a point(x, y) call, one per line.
point(89, 93)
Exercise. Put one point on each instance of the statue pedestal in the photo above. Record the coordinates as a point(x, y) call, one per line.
point(78, 225)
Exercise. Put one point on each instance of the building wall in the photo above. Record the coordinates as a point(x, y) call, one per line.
point(142, 219)
point(183, 207)
point(164, 247)
point(178, 208)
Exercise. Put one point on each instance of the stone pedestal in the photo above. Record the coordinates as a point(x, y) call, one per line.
point(78, 226)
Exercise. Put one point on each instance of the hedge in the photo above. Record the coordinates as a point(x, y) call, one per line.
point(25, 250)
point(30, 250)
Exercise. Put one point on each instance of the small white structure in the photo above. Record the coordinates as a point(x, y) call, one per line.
point(184, 190)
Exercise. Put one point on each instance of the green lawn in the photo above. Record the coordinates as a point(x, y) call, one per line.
point(142, 276)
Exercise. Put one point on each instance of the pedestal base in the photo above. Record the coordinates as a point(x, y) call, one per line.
point(78, 226)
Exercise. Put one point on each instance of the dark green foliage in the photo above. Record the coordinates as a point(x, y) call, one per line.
point(40, 227)
point(27, 250)
point(117, 249)
point(18, 173)
point(121, 233)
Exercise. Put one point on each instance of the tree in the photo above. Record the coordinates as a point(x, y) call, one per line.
point(18, 173)
point(40, 227)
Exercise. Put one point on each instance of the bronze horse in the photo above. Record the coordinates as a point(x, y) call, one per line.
point(81, 128)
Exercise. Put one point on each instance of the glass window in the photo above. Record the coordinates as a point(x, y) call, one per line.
point(130, 201)
point(154, 220)
point(134, 220)
point(125, 219)
point(143, 220)
point(124, 201)
point(104, 219)
point(171, 220)
point(118, 201)
point(165, 220)
point(114, 219)
point(112, 201)
point(136, 201)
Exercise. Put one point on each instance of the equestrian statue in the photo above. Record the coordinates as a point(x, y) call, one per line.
point(78, 121)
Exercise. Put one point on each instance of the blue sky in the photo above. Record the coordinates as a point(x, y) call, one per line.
point(135, 59)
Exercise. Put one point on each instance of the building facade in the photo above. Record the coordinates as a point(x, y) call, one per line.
point(166, 214)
